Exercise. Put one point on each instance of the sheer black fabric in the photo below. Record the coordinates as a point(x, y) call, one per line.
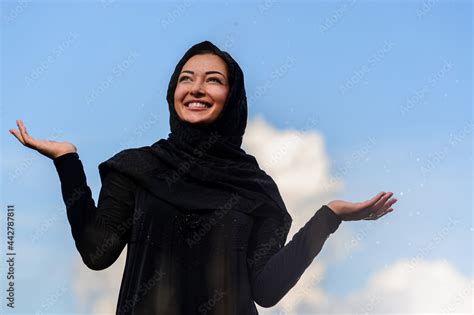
point(180, 262)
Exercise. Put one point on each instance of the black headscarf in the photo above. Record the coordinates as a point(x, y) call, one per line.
point(204, 167)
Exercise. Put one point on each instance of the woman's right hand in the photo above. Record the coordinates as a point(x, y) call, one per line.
point(51, 149)
point(371, 209)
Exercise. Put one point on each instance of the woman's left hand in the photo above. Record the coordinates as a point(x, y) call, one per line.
point(371, 209)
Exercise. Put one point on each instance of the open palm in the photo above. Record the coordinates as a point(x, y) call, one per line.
point(371, 209)
point(51, 149)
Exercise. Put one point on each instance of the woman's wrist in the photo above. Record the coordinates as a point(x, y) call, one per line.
point(333, 220)
point(64, 153)
point(333, 207)
point(65, 157)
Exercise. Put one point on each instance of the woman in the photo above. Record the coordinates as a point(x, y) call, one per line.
point(205, 227)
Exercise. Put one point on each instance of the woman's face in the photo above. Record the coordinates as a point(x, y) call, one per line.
point(203, 81)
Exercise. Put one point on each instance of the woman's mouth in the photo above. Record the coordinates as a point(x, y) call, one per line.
point(197, 106)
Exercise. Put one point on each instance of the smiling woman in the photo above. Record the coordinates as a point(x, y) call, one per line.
point(202, 89)
point(205, 227)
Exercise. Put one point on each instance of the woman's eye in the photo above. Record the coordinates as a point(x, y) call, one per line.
point(187, 77)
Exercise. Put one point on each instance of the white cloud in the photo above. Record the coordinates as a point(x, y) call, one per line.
point(298, 163)
point(296, 160)
point(97, 291)
point(429, 287)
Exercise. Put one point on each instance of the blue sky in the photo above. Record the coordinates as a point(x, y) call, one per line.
point(398, 72)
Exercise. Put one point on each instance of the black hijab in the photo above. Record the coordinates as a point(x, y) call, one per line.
point(203, 167)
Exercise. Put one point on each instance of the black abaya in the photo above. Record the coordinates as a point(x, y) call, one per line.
point(205, 227)
point(221, 265)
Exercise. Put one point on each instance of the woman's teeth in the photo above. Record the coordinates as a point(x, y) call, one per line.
point(197, 105)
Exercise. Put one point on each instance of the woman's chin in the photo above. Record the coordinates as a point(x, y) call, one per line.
point(198, 121)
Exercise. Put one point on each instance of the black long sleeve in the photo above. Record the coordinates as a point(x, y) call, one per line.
point(100, 233)
point(274, 268)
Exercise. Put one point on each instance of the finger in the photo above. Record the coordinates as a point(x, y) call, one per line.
point(379, 205)
point(373, 206)
point(388, 204)
point(22, 129)
point(383, 213)
point(371, 202)
point(375, 217)
point(366, 208)
point(19, 123)
point(17, 135)
point(24, 134)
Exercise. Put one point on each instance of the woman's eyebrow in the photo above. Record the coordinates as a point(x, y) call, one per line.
point(208, 72)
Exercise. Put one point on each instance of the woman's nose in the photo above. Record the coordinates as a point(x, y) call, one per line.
point(197, 88)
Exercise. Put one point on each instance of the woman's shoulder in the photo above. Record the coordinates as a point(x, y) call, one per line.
point(129, 162)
